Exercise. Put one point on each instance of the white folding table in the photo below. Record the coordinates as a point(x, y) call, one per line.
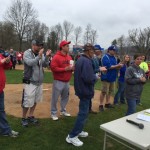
point(122, 131)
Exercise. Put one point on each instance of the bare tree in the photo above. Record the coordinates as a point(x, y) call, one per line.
point(32, 31)
point(59, 33)
point(67, 29)
point(140, 39)
point(77, 33)
point(21, 14)
point(43, 32)
point(6, 34)
point(93, 36)
point(114, 42)
point(55, 36)
point(52, 41)
point(87, 33)
point(121, 45)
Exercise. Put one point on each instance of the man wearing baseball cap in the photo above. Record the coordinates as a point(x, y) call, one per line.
point(62, 67)
point(108, 78)
point(33, 75)
point(84, 80)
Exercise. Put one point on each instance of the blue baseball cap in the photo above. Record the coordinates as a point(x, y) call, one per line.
point(112, 47)
point(98, 47)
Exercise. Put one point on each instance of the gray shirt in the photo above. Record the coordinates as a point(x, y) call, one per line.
point(33, 67)
point(134, 86)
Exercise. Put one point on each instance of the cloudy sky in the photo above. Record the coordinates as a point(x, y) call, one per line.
point(111, 18)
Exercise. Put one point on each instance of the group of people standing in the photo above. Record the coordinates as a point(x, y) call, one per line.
point(88, 69)
point(15, 56)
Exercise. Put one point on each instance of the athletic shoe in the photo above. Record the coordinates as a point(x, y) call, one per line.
point(83, 134)
point(24, 122)
point(64, 113)
point(12, 134)
point(33, 120)
point(75, 141)
point(101, 108)
point(54, 117)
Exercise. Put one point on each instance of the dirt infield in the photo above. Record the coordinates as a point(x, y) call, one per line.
point(13, 99)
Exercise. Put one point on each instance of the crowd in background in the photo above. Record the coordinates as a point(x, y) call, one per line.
point(89, 67)
point(16, 56)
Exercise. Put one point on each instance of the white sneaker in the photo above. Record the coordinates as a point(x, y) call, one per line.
point(64, 113)
point(83, 134)
point(12, 134)
point(75, 141)
point(54, 117)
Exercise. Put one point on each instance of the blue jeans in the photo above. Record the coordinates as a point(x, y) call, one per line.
point(120, 93)
point(81, 118)
point(4, 126)
point(131, 106)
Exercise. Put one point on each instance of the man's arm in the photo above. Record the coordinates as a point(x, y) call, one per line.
point(29, 60)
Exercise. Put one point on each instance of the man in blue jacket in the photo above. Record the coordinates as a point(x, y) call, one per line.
point(108, 78)
point(84, 80)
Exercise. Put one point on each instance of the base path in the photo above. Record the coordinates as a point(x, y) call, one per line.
point(13, 98)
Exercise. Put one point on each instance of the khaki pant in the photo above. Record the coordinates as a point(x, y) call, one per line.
point(107, 87)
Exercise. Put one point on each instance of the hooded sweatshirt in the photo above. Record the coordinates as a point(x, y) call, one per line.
point(58, 65)
point(2, 73)
point(33, 67)
point(134, 86)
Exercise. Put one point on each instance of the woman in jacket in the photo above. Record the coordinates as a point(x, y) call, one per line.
point(134, 80)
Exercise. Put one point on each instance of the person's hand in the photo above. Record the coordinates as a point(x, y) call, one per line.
point(5, 60)
point(143, 79)
point(119, 65)
point(41, 52)
point(48, 53)
point(69, 68)
point(103, 69)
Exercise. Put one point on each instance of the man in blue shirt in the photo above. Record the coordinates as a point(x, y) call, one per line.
point(108, 78)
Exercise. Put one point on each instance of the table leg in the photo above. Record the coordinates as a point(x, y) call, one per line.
point(104, 146)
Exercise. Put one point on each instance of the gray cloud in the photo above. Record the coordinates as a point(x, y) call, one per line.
point(111, 18)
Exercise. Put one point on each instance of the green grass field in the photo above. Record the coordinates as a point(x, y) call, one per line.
point(50, 135)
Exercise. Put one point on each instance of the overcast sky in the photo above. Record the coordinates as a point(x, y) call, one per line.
point(111, 18)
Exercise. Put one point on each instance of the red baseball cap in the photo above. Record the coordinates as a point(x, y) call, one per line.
point(63, 43)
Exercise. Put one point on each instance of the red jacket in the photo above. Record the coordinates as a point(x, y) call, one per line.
point(2, 73)
point(58, 64)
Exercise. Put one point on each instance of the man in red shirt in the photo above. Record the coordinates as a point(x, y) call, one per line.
point(5, 129)
point(62, 67)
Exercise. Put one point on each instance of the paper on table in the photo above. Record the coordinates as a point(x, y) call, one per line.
point(147, 110)
point(143, 117)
